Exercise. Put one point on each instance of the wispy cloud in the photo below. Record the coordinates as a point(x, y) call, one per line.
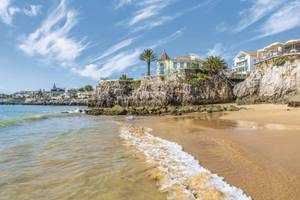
point(117, 63)
point(121, 3)
point(7, 11)
point(219, 50)
point(168, 39)
point(52, 41)
point(157, 19)
point(287, 18)
point(258, 10)
point(34, 10)
point(148, 9)
point(115, 48)
point(108, 66)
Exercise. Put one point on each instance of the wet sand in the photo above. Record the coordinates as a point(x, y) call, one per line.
point(257, 149)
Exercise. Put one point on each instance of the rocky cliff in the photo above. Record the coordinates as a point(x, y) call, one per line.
point(275, 81)
point(162, 91)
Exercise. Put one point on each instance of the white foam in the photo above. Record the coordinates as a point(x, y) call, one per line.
point(178, 166)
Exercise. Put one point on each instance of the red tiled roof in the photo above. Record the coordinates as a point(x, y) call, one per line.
point(183, 58)
point(165, 56)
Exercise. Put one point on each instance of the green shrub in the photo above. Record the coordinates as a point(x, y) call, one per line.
point(279, 61)
point(118, 110)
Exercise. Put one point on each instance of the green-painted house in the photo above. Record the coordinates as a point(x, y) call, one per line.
point(179, 64)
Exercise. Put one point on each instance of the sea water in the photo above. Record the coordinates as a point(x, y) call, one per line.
point(52, 152)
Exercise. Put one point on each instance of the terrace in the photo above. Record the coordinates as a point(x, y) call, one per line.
point(291, 47)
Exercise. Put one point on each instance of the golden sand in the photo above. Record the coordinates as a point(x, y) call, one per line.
point(256, 149)
point(176, 172)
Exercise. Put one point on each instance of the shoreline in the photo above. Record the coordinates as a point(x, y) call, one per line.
point(177, 172)
point(261, 152)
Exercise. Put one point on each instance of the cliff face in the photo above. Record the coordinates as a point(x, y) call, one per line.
point(270, 84)
point(161, 91)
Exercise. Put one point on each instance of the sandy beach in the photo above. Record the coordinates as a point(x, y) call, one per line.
point(256, 149)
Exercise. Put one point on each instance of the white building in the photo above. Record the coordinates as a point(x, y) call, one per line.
point(244, 62)
point(291, 47)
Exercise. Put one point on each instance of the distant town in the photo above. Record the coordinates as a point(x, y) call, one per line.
point(53, 96)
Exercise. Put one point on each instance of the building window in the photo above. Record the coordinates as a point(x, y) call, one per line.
point(175, 66)
point(181, 65)
point(161, 69)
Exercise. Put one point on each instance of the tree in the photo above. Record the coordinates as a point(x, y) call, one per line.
point(214, 65)
point(125, 78)
point(87, 88)
point(148, 56)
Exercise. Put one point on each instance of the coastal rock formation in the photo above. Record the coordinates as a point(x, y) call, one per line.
point(162, 91)
point(272, 82)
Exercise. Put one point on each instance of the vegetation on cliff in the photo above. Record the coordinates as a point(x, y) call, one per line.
point(160, 110)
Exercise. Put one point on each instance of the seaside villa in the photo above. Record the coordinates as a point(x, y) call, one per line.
point(244, 62)
point(291, 47)
point(179, 64)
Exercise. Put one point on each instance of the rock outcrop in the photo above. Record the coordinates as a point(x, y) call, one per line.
point(162, 91)
point(271, 83)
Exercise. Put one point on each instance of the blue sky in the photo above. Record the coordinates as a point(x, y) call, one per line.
point(73, 43)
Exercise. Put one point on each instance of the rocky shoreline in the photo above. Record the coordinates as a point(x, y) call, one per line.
point(161, 110)
point(161, 95)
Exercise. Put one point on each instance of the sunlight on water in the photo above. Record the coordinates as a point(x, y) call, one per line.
point(74, 157)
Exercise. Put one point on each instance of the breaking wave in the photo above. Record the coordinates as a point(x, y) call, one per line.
point(31, 118)
point(177, 172)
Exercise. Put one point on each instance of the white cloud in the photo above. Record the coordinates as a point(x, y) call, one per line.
point(115, 48)
point(156, 20)
point(108, 66)
point(144, 10)
point(52, 41)
point(7, 11)
point(117, 63)
point(288, 17)
point(148, 9)
point(219, 50)
point(258, 10)
point(121, 3)
point(155, 23)
point(168, 39)
point(33, 10)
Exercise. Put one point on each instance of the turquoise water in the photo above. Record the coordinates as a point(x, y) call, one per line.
point(48, 153)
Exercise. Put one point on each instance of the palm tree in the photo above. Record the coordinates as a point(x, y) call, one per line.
point(148, 56)
point(214, 64)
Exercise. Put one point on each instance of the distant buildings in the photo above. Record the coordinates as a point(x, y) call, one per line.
point(55, 91)
point(244, 62)
point(54, 94)
point(179, 64)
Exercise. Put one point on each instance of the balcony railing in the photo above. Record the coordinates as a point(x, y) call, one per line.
point(265, 58)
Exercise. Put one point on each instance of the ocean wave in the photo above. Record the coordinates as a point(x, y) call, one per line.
point(31, 118)
point(177, 172)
